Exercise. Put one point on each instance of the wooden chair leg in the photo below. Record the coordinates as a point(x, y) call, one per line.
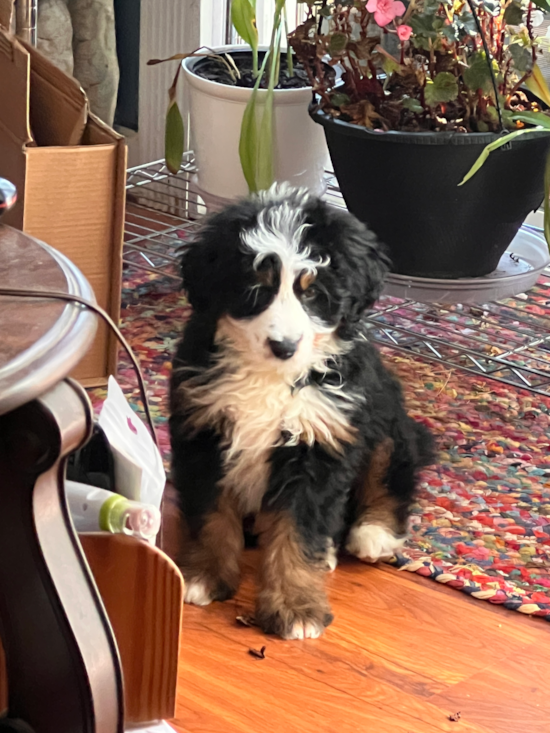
point(62, 662)
point(142, 591)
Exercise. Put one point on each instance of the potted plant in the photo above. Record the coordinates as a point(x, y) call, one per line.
point(248, 114)
point(403, 129)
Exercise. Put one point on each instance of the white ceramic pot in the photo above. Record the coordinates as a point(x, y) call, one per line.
point(216, 112)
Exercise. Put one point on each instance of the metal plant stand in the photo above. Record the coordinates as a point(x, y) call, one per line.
point(508, 341)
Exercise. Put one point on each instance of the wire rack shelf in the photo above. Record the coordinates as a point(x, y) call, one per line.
point(507, 341)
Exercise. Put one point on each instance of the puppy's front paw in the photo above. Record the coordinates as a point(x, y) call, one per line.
point(373, 542)
point(306, 621)
point(197, 593)
point(202, 591)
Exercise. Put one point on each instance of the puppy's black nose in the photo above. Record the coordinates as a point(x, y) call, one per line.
point(283, 349)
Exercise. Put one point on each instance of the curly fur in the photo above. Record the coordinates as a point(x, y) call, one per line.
point(293, 436)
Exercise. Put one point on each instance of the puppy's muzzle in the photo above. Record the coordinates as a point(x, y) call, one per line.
point(284, 349)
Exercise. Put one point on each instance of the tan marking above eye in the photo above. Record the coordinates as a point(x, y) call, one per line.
point(307, 279)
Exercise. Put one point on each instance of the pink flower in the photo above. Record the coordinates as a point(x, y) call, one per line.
point(385, 10)
point(404, 32)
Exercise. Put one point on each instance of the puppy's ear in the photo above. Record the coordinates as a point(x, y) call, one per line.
point(200, 266)
point(370, 264)
point(366, 267)
point(211, 266)
point(358, 259)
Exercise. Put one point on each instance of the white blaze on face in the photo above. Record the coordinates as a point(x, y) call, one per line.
point(285, 319)
point(279, 232)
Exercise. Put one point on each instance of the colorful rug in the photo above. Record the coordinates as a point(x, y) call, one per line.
point(482, 520)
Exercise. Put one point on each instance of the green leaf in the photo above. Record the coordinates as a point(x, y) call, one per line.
point(427, 30)
point(248, 141)
point(537, 85)
point(279, 5)
point(444, 88)
point(264, 168)
point(339, 99)
point(494, 146)
point(507, 115)
point(477, 75)
point(521, 56)
point(466, 24)
point(450, 32)
point(493, 8)
point(265, 165)
point(424, 25)
point(173, 139)
point(243, 17)
point(413, 104)
point(513, 15)
point(337, 44)
point(542, 4)
point(533, 118)
point(390, 65)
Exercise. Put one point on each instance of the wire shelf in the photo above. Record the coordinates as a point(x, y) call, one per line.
point(508, 341)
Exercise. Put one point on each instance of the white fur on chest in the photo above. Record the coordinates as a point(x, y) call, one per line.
point(253, 410)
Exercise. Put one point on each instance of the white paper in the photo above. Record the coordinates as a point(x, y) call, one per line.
point(161, 727)
point(139, 471)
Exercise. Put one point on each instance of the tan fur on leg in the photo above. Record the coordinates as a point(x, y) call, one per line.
point(210, 563)
point(292, 601)
point(377, 532)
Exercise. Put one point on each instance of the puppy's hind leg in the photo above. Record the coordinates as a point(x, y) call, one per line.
point(210, 561)
point(212, 530)
point(380, 509)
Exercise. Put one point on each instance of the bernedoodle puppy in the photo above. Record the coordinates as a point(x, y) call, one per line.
point(282, 409)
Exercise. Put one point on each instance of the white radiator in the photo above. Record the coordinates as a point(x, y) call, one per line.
point(167, 27)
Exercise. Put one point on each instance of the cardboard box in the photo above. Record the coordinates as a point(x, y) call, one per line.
point(70, 173)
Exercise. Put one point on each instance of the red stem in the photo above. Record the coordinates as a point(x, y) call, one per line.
point(520, 82)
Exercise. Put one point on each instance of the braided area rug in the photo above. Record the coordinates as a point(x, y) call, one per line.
point(481, 522)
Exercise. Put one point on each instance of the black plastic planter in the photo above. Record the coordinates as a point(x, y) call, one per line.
point(405, 187)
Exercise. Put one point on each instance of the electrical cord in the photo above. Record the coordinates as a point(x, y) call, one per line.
point(67, 297)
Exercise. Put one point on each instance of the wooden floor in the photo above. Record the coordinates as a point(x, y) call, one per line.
point(402, 655)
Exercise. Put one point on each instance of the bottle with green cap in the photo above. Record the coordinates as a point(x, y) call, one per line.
point(95, 510)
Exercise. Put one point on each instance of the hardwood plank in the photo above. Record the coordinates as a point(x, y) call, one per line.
point(402, 654)
point(398, 621)
point(536, 627)
point(223, 688)
point(354, 672)
point(512, 689)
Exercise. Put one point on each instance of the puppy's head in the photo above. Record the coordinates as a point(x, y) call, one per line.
point(284, 275)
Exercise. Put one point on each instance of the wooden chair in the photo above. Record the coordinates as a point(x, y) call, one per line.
point(142, 591)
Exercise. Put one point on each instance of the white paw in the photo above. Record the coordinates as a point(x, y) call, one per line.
point(372, 542)
point(331, 558)
point(304, 630)
point(196, 593)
